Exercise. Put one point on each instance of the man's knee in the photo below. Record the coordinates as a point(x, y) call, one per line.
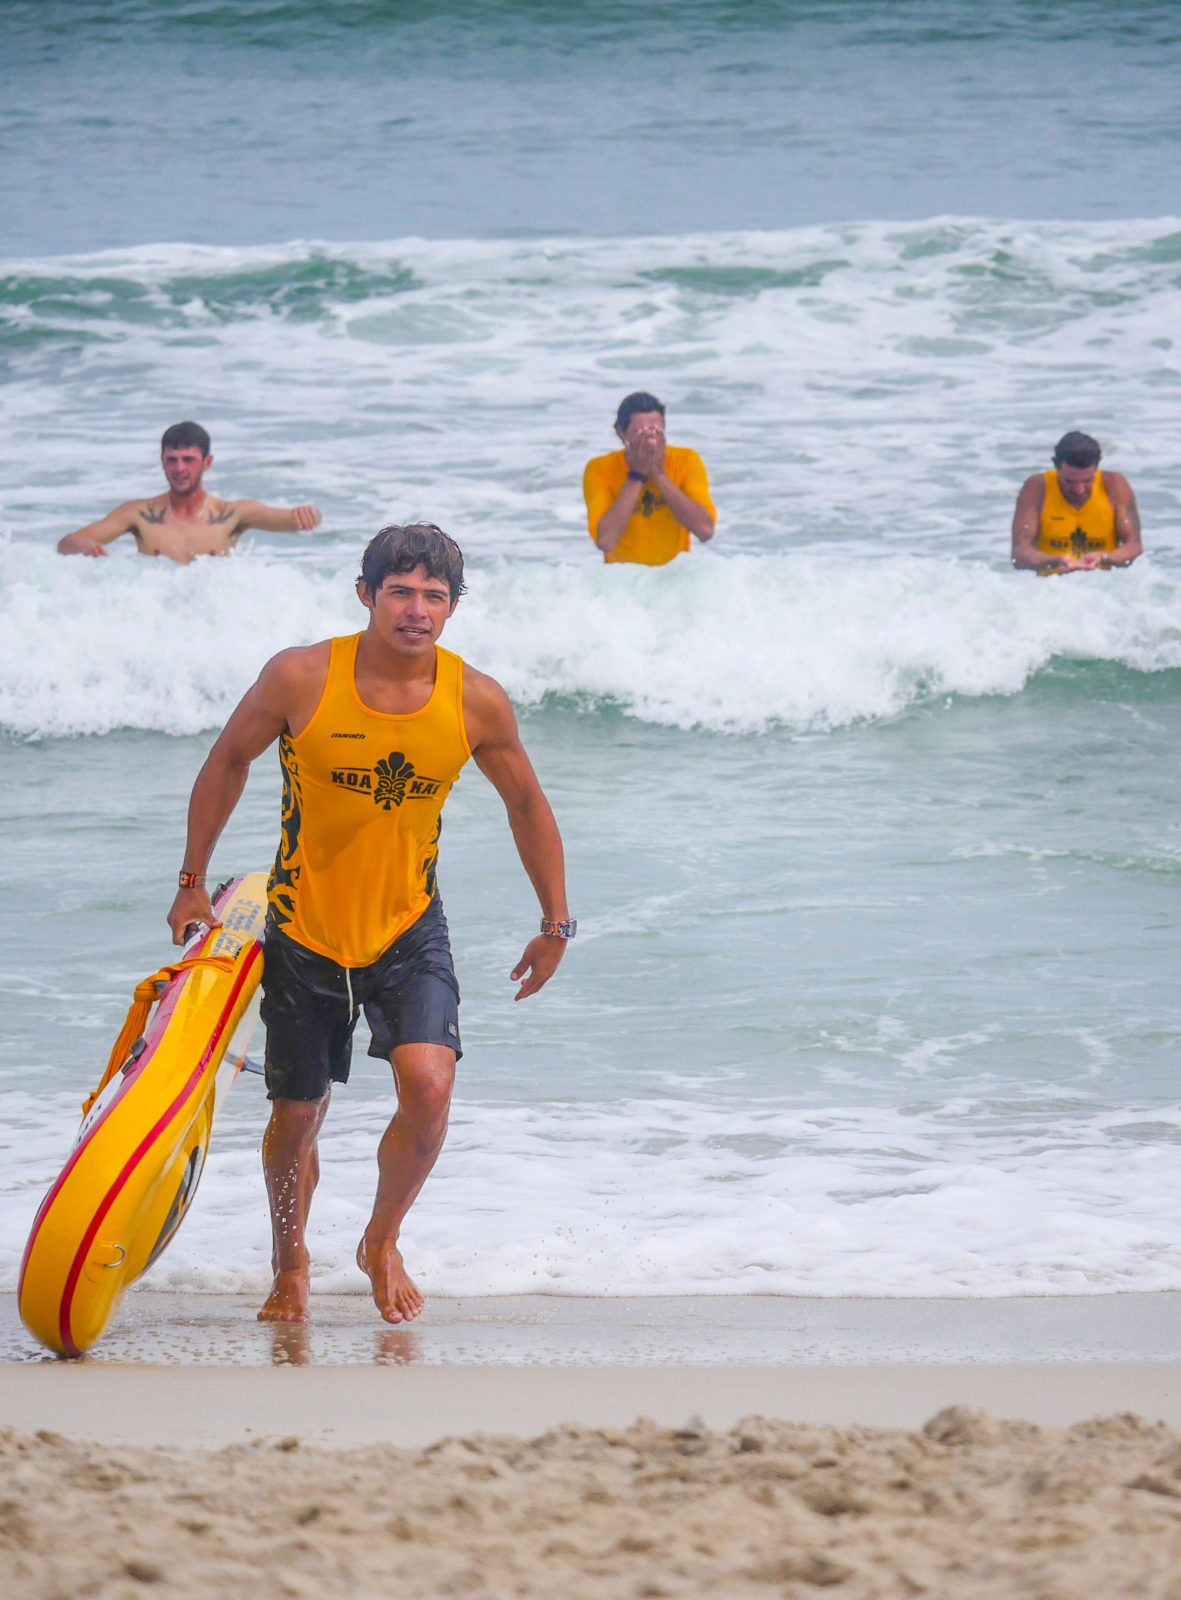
point(425, 1077)
point(298, 1121)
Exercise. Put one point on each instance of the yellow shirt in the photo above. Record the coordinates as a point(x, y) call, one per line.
point(362, 795)
point(1073, 530)
point(653, 535)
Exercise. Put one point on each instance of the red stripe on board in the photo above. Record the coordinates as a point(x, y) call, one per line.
point(138, 1154)
point(163, 1012)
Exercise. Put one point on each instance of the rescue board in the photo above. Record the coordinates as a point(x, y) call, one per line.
point(145, 1130)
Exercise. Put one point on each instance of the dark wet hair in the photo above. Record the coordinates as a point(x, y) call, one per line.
point(400, 547)
point(1077, 450)
point(640, 401)
point(183, 435)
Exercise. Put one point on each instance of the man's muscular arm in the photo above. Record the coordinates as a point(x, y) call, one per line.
point(1127, 522)
point(617, 516)
point(93, 539)
point(687, 511)
point(1027, 518)
point(500, 756)
point(275, 519)
point(276, 699)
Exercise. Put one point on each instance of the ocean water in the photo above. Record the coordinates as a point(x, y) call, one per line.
point(873, 841)
point(255, 121)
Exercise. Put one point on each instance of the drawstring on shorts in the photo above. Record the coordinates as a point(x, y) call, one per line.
point(348, 983)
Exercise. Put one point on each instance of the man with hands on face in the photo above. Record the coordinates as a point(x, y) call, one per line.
point(373, 730)
point(187, 521)
point(1076, 518)
point(643, 502)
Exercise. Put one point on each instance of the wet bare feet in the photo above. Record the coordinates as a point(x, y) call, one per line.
point(394, 1291)
point(288, 1299)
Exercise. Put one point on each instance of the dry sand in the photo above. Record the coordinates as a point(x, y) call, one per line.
point(964, 1507)
point(494, 1451)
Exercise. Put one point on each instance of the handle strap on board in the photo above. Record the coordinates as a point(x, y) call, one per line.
point(146, 995)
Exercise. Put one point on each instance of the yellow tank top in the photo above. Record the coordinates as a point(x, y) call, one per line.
point(362, 797)
point(1073, 530)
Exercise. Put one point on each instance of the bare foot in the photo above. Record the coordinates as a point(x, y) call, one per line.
point(288, 1299)
point(394, 1291)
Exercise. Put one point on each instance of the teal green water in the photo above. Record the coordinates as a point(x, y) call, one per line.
point(128, 122)
point(879, 911)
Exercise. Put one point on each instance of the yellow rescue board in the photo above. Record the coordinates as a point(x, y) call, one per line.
point(140, 1149)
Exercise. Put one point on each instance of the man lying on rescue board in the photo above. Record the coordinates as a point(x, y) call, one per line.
point(187, 521)
point(1076, 518)
point(373, 730)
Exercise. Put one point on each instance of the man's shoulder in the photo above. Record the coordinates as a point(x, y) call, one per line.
point(290, 684)
point(604, 466)
point(680, 456)
point(299, 664)
point(1116, 481)
point(479, 685)
point(487, 708)
point(238, 507)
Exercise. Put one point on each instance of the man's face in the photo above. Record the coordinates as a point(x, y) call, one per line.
point(409, 610)
point(183, 467)
point(644, 426)
point(1076, 482)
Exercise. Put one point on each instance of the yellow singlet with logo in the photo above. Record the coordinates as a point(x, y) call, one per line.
point(362, 797)
point(1073, 530)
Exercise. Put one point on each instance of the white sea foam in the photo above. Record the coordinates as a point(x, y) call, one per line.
point(880, 386)
point(731, 644)
point(668, 1197)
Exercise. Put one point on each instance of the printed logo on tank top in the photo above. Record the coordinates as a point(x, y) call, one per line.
point(388, 782)
point(1077, 540)
point(650, 502)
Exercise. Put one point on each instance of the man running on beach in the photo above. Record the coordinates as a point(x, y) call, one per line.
point(186, 522)
point(1076, 518)
point(373, 730)
point(643, 502)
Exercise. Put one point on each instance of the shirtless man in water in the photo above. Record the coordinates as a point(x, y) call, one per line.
point(373, 730)
point(185, 522)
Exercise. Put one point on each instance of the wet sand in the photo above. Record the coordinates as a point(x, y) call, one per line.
point(162, 1328)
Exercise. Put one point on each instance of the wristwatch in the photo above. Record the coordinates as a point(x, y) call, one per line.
point(559, 930)
point(637, 477)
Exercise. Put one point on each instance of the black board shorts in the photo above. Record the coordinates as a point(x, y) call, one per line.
point(310, 1005)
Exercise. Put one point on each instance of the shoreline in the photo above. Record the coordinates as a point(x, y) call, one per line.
point(160, 1327)
point(199, 1372)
